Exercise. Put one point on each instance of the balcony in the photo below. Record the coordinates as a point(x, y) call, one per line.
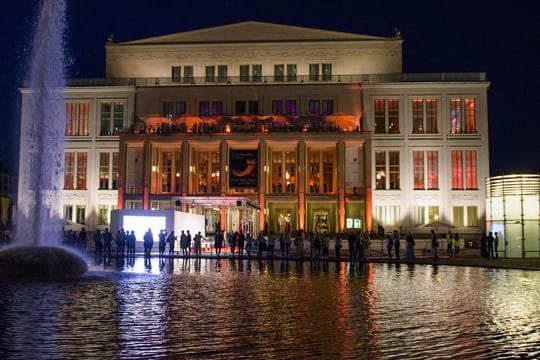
point(277, 80)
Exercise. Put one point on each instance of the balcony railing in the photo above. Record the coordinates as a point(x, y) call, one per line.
point(284, 80)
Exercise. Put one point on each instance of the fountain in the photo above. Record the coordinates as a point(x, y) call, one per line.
point(37, 253)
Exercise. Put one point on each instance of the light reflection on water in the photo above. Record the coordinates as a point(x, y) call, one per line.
point(226, 309)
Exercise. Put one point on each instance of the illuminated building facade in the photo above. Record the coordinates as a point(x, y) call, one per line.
point(265, 126)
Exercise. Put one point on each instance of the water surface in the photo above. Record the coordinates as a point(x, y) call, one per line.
point(224, 309)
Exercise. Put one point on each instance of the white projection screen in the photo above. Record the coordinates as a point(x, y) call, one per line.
point(140, 225)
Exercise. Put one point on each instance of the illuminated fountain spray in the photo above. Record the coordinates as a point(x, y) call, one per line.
point(42, 132)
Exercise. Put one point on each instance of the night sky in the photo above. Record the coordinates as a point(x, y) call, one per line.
point(498, 38)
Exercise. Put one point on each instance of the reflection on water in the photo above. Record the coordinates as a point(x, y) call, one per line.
point(241, 309)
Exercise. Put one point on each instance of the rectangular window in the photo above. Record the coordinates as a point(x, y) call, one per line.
point(380, 116)
point(244, 72)
point(80, 211)
point(115, 170)
point(279, 72)
point(204, 108)
point(277, 106)
point(283, 171)
point(470, 170)
point(256, 72)
point(314, 107)
point(433, 214)
point(217, 107)
point(134, 204)
point(380, 170)
point(205, 177)
point(314, 72)
point(290, 107)
point(77, 115)
point(176, 73)
point(388, 215)
point(174, 108)
point(103, 214)
point(327, 107)
point(393, 170)
point(419, 215)
point(222, 73)
point(433, 170)
point(291, 72)
point(322, 167)
point(386, 116)
point(393, 116)
point(188, 74)
point(327, 72)
point(210, 73)
point(165, 170)
point(424, 114)
point(472, 216)
point(464, 172)
point(253, 107)
point(458, 216)
point(75, 170)
point(240, 107)
point(418, 165)
point(104, 169)
point(68, 212)
point(112, 118)
point(462, 116)
point(457, 170)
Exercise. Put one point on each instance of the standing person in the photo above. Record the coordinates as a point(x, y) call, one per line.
point(148, 244)
point(352, 243)
point(261, 245)
point(171, 239)
point(218, 242)
point(282, 245)
point(120, 241)
point(232, 242)
point(83, 238)
point(434, 245)
point(271, 245)
point(183, 243)
point(325, 245)
point(132, 240)
point(389, 244)
point(197, 241)
point(397, 244)
point(366, 242)
point(162, 242)
point(188, 243)
point(107, 243)
point(311, 240)
point(496, 245)
point(98, 244)
point(241, 239)
point(287, 240)
point(491, 246)
point(410, 248)
point(449, 244)
point(299, 244)
point(456, 244)
point(483, 246)
point(249, 244)
point(337, 246)
point(317, 244)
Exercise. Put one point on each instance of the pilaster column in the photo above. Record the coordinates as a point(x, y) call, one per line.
point(301, 168)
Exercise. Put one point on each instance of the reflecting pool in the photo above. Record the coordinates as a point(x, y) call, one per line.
point(223, 309)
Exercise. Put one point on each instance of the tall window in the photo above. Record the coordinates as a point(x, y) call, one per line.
point(387, 163)
point(210, 73)
point(424, 113)
point(77, 114)
point(112, 118)
point(75, 170)
point(321, 107)
point(322, 171)
point(458, 216)
point(166, 170)
point(80, 214)
point(188, 74)
point(279, 72)
point(462, 116)
point(472, 216)
point(327, 72)
point(386, 116)
point(174, 108)
point(320, 71)
point(464, 170)
point(205, 175)
point(108, 170)
point(246, 107)
point(104, 212)
point(176, 74)
point(208, 108)
point(314, 72)
point(291, 72)
point(283, 171)
point(429, 168)
point(256, 72)
point(222, 73)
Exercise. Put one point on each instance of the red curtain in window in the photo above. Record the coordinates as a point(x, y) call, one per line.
point(457, 170)
point(70, 119)
point(81, 170)
point(69, 166)
point(470, 116)
point(83, 119)
point(418, 161)
point(470, 169)
point(433, 170)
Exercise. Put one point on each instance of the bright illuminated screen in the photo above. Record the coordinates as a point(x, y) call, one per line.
point(140, 225)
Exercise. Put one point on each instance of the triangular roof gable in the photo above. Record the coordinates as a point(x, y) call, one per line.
point(252, 31)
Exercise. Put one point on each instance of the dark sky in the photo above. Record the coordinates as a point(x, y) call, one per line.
point(499, 38)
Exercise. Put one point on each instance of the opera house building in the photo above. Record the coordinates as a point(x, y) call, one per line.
point(260, 126)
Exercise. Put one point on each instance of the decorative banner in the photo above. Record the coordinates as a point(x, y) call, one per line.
point(243, 169)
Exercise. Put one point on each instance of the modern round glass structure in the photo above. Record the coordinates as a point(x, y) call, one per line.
point(513, 211)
